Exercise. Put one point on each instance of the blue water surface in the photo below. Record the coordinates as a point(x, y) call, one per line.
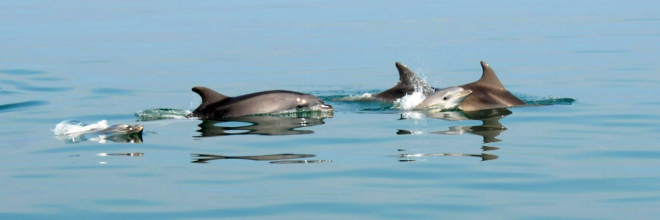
point(586, 149)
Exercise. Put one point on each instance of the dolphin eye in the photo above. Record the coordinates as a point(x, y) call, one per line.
point(445, 98)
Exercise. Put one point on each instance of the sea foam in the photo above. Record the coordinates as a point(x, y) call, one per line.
point(69, 127)
point(408, 102)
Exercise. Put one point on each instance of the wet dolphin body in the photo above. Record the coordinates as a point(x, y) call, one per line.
point(122, 129)
point(488, 93)
point(408, 83)
point(215, 105)
point(445, 99)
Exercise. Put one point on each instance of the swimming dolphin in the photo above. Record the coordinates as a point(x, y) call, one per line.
point(215, 105)
point(446, 99)
point(487, 93)
point(408, 83)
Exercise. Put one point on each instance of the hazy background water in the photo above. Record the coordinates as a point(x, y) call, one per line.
point(106, 60)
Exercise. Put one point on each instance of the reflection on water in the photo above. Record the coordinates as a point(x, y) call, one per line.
point(275, 158)
point(136, 154)
point(489, 130)
point(299, 161)
point(102, 138)
point(261, 125)
point(483, 156)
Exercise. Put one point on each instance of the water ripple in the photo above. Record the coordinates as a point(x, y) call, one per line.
point(586, 185)
point(112, 91)
point(21, 105)
point(405, 174)
point(127, 202)
point(379, 210)
point(27, 87)
point(21, 72)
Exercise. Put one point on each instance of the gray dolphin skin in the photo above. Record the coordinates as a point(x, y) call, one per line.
point(122, 129)
point(215, 105)
point(488, 93)
point(445, 99)
point(408, 83)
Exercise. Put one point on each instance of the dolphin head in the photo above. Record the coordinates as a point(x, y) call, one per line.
point(311, 102)
point(445, 99)
point(124, 129)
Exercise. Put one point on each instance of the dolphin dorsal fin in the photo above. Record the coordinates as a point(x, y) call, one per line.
point(408, 78)
point(488, 78)
point(208, 95)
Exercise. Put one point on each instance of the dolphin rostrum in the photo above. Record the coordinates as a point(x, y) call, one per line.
point(488, 93)
point(408, 83)
point(215, 105)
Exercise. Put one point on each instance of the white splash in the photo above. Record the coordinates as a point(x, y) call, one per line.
point(69, 127)
point(413, 115)
point(101, 139)
point(408, 102)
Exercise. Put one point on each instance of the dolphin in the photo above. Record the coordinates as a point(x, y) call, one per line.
point(488, 93)
point(446, 99)
point(408, 83)
point(215, 105)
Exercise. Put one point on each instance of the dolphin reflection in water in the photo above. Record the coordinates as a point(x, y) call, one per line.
point(260, 125)
point(483, 156)
point(274, 158)
point(489, 130)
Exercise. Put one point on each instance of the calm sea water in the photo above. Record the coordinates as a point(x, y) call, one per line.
point(597, 158)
